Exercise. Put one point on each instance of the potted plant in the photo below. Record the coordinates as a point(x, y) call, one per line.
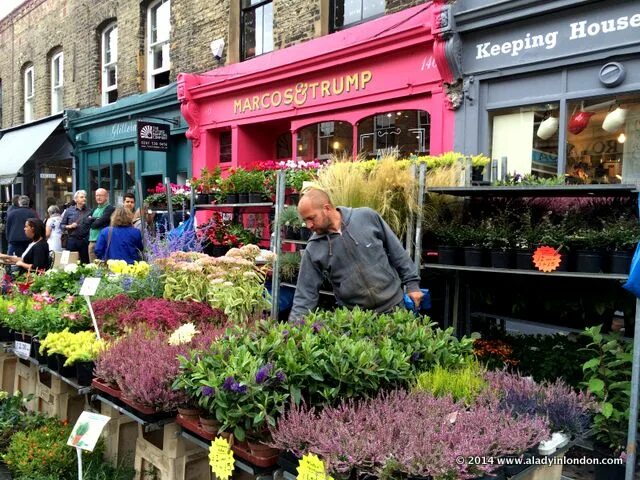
point(242, 183)
point(499, 241)
point(255, 185)
point(449, 238)
point(588, 243)
point(478, 164)
point(291, 222)
point(621, 238)
point(474, 240)
point(290, 266)
point(607, 377)
point(553, 235)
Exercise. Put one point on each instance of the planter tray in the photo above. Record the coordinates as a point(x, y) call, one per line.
point(103, 387)
point(148, 414)
point(242, 453)
point(193, 426)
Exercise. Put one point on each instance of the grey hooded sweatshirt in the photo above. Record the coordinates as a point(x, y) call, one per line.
point(365, 263)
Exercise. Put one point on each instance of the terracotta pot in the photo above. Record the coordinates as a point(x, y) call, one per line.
point(259, 449)
point(190, 412)
point(209, 425)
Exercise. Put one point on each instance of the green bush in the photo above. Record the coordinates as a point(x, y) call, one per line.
point(463, 384)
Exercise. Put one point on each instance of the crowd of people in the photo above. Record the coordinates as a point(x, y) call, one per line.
point(103, 233)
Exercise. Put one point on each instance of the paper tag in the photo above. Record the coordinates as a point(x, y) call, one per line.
point(86, 432)
point(64, 258)
point(312, 468)
point(221, 459)
point(22, 349)
point(89, 286)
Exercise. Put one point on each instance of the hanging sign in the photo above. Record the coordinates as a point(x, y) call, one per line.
point(153, 137)
point(87, 430)
point(221, 459)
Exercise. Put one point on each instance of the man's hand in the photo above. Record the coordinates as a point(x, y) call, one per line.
point(416, 297)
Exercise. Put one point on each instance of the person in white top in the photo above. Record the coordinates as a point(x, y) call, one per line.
point(54, 229)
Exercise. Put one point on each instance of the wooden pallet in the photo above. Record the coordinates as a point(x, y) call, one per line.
point(8, 363)
point(165, 455)
point(120, 436)
point(58, 399)
point(26, 377)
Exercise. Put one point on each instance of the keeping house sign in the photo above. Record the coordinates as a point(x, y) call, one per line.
point(153, 136)
point(564, 34)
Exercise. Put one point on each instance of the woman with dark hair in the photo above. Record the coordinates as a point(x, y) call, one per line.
point(121, 241)
point(36, 256)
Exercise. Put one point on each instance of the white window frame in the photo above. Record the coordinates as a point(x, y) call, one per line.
point(29, 93)
point(57, 90)
point(106, 88)
point(151, 46)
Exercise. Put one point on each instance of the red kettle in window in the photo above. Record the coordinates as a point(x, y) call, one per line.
point(579, 121)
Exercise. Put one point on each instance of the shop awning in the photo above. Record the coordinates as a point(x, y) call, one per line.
point(18, 145)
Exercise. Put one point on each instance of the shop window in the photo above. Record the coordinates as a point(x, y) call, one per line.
point(256, 23)
point(401, 133)
point(109, 70)
point(322, 140)
point(346, 13)
point(603, 140)
point(29, 93)
point(57, 83)
point(528, 138)
point(158, 29)
point(283, 146)
point(225, 147)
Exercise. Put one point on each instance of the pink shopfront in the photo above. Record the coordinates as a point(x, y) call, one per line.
point(367, 90)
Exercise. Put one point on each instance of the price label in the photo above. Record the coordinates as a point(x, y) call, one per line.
point(64, 258)
point(221, 459)
point(312, 468)
point(86, 432)
point(90, 286)
point(22, 349)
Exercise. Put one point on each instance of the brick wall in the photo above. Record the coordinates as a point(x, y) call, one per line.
point(31, 33)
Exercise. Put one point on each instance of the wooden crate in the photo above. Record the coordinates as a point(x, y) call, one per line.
point(8, 363)
point(166, 455)
point(26, 377)
point(58, 399)
point(120, 437)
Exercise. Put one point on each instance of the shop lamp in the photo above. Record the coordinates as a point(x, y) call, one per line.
point(614, 120)
point(336, 145)
point(622, 138)
point(548, 128)
point(69, 179)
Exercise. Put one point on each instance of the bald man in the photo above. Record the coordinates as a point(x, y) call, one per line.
point(360, 255)
point(100, 217)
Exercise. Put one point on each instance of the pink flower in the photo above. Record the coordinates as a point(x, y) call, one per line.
point(11, 309)
point(70, 299)
point(37, 306)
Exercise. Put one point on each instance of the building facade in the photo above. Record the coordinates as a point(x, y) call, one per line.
point(58, 56)
point(553, 86)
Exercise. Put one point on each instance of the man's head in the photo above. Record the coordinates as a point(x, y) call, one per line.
point(129, 202)
point(23, 201)
point(317, 211)
point(102, 196)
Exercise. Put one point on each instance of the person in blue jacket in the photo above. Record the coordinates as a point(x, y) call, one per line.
point(121, 241)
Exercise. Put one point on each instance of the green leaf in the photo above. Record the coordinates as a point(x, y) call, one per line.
point(295, 393)
point(596, 385)
point(591, 364)
point(238, 433)
point(607, 409)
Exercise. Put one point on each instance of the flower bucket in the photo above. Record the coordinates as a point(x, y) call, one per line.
point(84, 373)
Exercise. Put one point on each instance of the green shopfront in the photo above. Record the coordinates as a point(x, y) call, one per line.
point(106, 146)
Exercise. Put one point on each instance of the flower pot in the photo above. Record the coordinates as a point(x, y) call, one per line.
point(6, 334)
point(255, 198)
point(305, 234)
point(190, 413)
point(524, 260)
point(590, 261)
point(22, 337)
point(259, 449)
point(210, 425)
point(52, 362)
point(477, 174)
point(202, 199)
point(473, 256)
point(620, 262)
point(448, 255)
point(35, 346)
point(231, 198)
point(291, 233)
point(609, 472)
point(42, 358)
point(243, 197)
point(292, 198)
point(84, 373)
point(67, 372)
point(502, 258)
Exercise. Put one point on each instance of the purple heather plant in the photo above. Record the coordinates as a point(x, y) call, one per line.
point(413, 434)
point(162, 246)
point(567, 410)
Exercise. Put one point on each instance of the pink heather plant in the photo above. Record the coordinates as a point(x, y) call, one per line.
point(412, 434)
point(144, 365)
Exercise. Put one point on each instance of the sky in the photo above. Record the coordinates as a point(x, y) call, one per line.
point(6, 6)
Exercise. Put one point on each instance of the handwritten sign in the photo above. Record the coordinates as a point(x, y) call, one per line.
point(312, 468)
point(22, 349)
point(221, 458)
